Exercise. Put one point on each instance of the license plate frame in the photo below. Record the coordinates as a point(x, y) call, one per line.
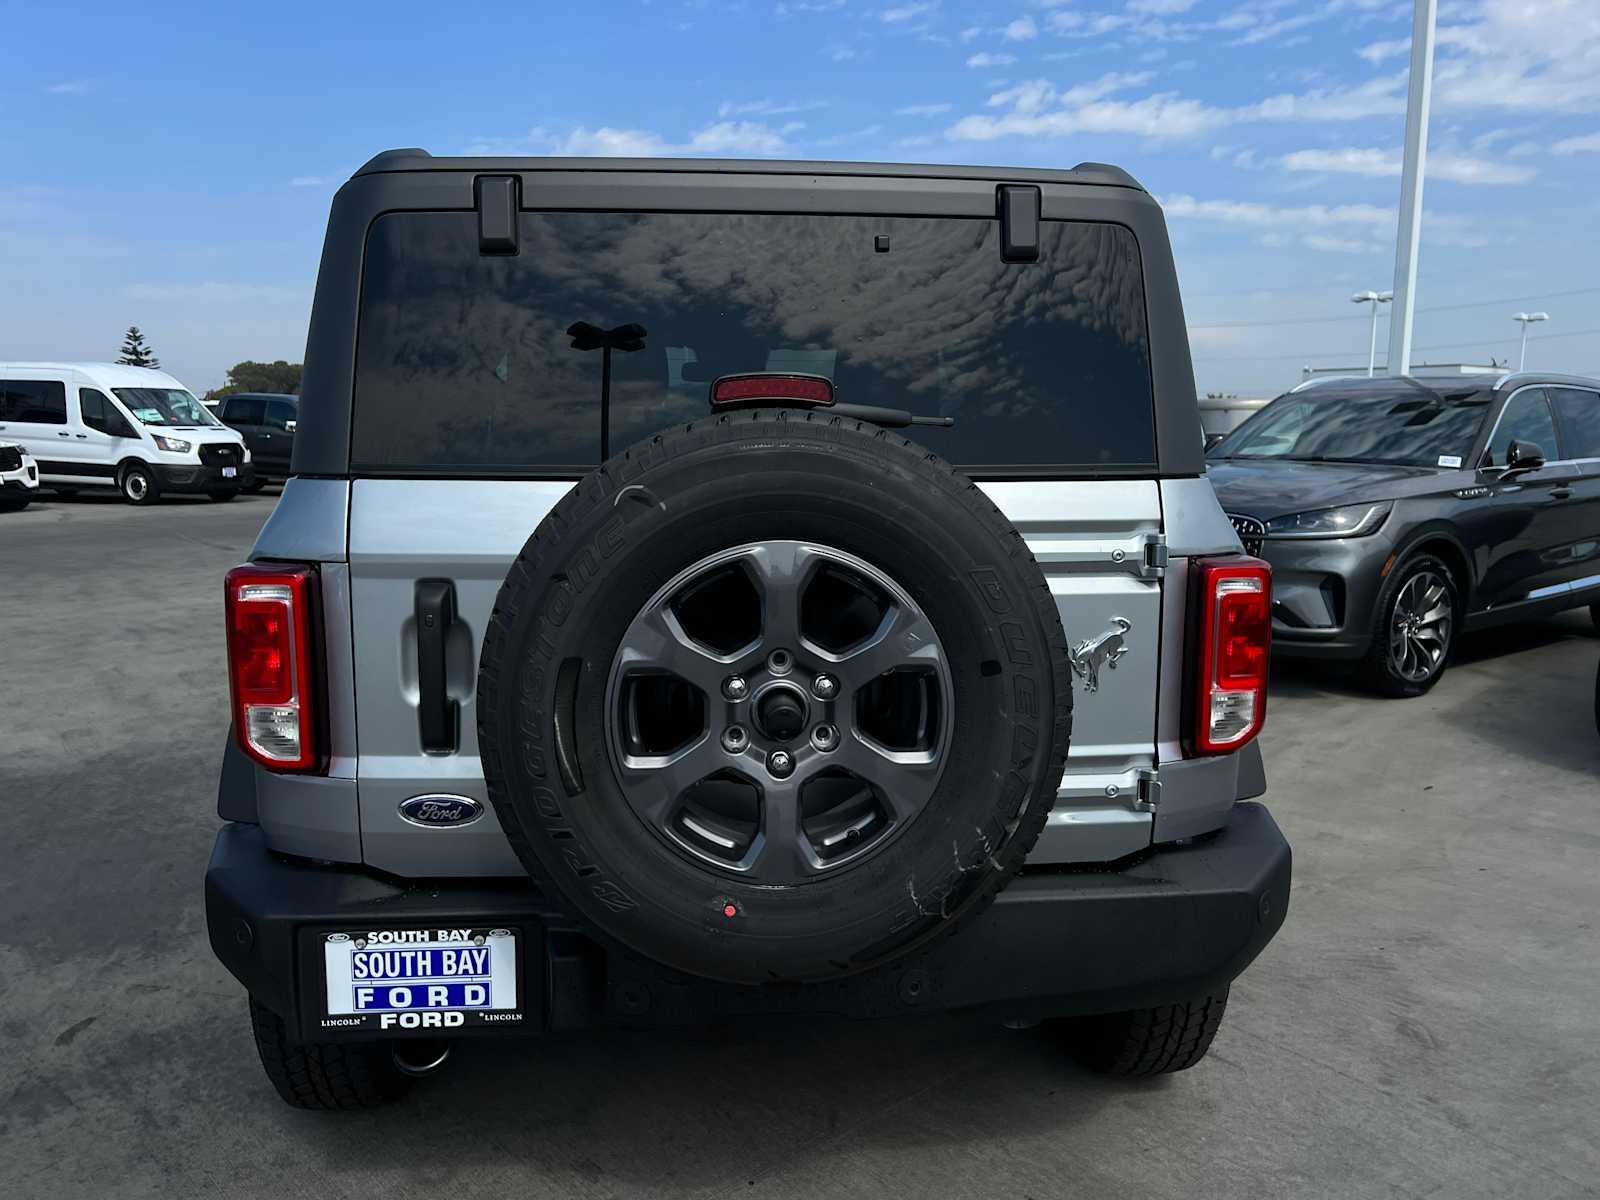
point(230, 472)
point(436, 968)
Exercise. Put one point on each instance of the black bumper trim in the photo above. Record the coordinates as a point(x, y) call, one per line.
point(1183, 921)
point(200, 479)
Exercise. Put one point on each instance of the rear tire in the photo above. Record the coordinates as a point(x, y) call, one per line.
point(255, 485)
point(1594, 614)
point(325, 1075)
point(223, 494)
point(1147, 1041)
point(137, 483)
point(1388, 671)
point(14, 503)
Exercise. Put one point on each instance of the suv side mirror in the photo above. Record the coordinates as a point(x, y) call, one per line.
point(1523, 456)
point(1213, 439)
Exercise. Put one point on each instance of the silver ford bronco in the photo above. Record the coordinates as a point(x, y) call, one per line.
point(724, 589)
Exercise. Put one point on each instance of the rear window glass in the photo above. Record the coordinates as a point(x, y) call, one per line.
point(464, 363)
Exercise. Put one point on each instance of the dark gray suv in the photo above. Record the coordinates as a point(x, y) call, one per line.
point(1397, 513)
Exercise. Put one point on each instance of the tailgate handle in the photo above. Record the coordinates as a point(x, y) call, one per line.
point(438, 716)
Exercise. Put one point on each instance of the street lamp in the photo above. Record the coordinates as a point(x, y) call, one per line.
point(1527, 319)
point(1375, 299)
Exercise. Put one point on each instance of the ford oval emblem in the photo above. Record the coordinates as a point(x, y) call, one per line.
point(440, 812)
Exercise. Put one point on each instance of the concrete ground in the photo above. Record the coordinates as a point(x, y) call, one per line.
point(1424, 1025)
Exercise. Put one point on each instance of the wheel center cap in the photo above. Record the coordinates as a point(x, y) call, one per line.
point(781, 713)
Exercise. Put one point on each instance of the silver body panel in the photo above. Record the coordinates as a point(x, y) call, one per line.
point(1109, 549)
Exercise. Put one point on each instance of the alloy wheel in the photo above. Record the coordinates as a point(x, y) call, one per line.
point(1420, 627)
point(778, 710)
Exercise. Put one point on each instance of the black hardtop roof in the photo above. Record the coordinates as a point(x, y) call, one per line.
point(290, 396)
point(413, 159)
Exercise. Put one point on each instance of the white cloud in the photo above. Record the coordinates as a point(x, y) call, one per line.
point(71, 87)
point(922, 110)
point(1347, 221)
point(1256, 215)
point(307, 181)
point(845, 139)
point(1339, 245)
point(841, 53)
point(1023, 29)
point(1376, 163)
point(736, 137)
point(985, 59)
point(1379, 52)
point(721, 137)
point(1086, 108)
point(972, 31)
point(1585, 143)
point(908, 12)
point(1160, 7)
point(768, 108)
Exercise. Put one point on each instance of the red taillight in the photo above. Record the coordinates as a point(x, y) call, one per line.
point(1235, 636)
point(269, 618)
point(762, 385)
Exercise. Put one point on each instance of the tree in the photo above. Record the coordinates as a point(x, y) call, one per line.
point(135, 353)
point(247, 376)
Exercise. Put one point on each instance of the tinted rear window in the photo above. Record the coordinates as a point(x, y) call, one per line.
point(38, 401)
point(464, 364)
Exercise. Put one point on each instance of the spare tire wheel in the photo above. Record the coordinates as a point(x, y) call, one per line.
point(774, 697)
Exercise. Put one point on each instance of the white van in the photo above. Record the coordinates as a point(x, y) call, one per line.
point(104, 425)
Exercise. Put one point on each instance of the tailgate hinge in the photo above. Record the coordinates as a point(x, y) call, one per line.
point(1146, 790)
point(1153, 562)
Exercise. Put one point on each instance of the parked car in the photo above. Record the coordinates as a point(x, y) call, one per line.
point(1397, 513)
point(769, 699)
point(267, 422)
point(19, 476)
point(104, 425)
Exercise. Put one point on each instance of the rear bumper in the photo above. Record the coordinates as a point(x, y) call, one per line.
point(201, 478)
point(1177, 923)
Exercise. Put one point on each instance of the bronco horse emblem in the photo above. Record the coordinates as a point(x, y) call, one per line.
point(1087, 657)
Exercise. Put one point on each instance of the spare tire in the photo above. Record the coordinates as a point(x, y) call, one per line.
point(774, 697)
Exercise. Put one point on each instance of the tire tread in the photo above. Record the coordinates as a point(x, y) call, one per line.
point(324, 1076)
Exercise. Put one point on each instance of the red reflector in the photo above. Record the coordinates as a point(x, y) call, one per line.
point(801, 389)
point(1235, 636)
point(268, 614)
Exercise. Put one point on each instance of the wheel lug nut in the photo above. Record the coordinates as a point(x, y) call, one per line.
point(779, 662)
point(824, 687)
point(734, 739)
point(824, 737)
point(781, 764)
point(734, 687)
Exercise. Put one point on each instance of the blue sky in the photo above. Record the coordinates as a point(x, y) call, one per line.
point(170, 166)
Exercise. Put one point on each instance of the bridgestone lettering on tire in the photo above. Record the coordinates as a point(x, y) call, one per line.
point(774, 697)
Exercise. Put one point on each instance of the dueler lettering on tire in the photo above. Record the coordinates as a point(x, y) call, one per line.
point(774, 697)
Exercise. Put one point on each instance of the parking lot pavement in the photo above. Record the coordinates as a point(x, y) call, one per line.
point(1424, 1025)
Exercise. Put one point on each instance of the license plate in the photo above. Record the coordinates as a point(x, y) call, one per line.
point(229, 472)
point(398, 981)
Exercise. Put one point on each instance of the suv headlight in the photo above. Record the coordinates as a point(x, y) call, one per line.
point(176, 445)
point(1352, 520)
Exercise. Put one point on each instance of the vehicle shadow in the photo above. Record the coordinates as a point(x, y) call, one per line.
point(719, 1108)
point(1541, 710)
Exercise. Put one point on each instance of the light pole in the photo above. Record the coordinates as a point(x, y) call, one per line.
point(1375, 299)
point(1527, 319)
point(1412, 171)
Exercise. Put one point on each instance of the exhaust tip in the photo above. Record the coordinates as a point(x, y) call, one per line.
point(420, 1058)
